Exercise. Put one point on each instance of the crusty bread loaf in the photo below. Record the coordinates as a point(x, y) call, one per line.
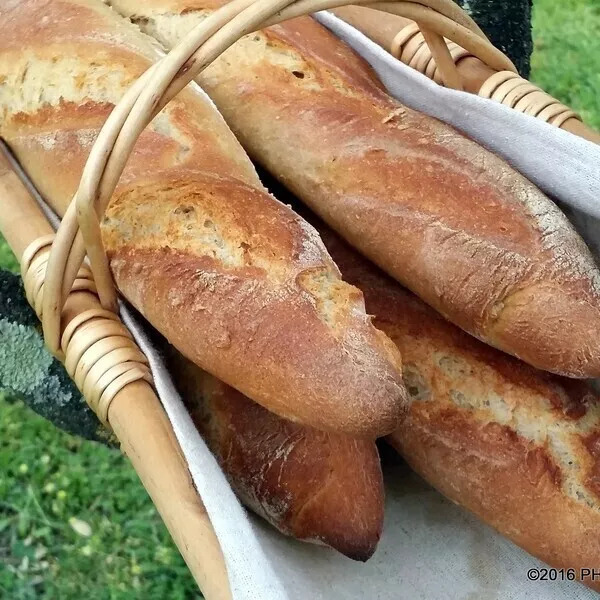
point(518, 447)
point(238, 282)
point(315, 486)
point(447, 218)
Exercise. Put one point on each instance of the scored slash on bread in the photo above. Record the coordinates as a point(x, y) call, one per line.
point(442, 215)
point(233, 278)
point(313, 485)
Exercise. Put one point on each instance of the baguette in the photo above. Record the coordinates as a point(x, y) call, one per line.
point(518, 447)
point(234, 279)
point(315, 486)
point(442, 215)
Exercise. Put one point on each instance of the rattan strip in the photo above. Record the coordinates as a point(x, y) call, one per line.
point(98, 350)
point(410, 47)
point(507, 87)
point(512, 90)
point(469, 38)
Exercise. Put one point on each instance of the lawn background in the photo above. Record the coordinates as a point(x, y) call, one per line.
point(74, 520)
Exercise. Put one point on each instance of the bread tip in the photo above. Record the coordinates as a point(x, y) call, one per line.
point(391, 416)
point(381, 419)
point(358, 550)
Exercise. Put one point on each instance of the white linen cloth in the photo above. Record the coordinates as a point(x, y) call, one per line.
point(431, 549)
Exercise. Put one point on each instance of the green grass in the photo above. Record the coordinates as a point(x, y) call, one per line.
point(116, 548)
point(75, 521)
point(48, 477)
point(7, 258)
point(566, 58)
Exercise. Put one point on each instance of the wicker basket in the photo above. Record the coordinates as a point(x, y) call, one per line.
point(77, 300)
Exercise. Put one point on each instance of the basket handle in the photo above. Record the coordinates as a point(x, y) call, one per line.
point(79, 232)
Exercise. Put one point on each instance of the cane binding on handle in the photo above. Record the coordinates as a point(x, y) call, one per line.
point(408, 41)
